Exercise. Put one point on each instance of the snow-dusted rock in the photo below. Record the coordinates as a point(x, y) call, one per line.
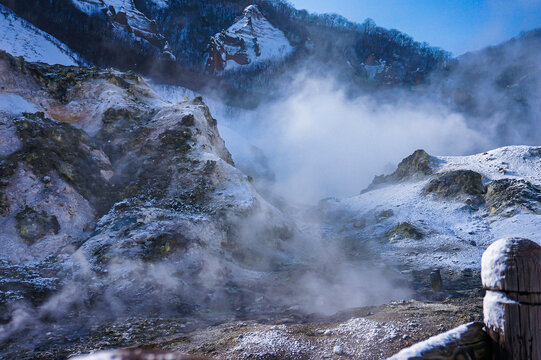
point(446, 209)
point(127, 194)
point(251, 40)
point(124, 15)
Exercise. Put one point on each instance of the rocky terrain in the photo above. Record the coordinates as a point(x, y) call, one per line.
point(125, 221)
point(114, 199)
point(365, 333)
point(439, 213)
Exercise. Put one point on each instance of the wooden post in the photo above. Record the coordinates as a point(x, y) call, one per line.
point(511, 274)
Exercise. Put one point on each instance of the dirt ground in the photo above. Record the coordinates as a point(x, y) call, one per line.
point(373, 332)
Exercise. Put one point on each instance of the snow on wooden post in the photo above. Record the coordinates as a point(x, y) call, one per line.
point(511, 274)
point(467, 341)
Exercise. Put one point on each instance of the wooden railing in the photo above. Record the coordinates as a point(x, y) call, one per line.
point(511, 276)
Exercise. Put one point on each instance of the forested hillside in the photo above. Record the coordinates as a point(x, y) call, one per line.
point(362, 53)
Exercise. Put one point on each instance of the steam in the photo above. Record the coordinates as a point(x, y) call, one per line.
point(322, 143)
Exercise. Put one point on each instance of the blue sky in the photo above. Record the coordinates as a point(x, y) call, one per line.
point(454, 25)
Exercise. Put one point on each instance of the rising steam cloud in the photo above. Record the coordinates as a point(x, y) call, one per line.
point(322, 143)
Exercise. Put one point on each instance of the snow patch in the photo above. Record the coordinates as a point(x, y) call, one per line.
point(15, 104)
point(20, 38)
point(494, 309)
point(492, 266)
point(510, 162)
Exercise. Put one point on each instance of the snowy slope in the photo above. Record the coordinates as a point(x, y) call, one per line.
point(511, 162)
point(15, 104)
point(455, 233)
point(20, 38)
point(249, 41)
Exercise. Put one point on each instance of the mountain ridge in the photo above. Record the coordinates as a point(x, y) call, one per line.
point(199, 23)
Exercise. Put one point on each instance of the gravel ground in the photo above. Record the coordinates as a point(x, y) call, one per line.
point(363, 333)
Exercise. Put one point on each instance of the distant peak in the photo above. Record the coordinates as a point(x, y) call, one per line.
point(252, 11)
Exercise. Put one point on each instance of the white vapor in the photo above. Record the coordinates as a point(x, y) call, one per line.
point(321, 143)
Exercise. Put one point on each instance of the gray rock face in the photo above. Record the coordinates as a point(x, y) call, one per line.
point(456, 183)
point(32, 225)
point(124, 201)
point(508, 194)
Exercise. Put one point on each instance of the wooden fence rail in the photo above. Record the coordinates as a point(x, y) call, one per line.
point(511, 276)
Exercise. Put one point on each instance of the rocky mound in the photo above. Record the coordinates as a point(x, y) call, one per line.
point(455, 183)
point(437, 213)
point(508, 196)
point(418, 164)
point(113, 200)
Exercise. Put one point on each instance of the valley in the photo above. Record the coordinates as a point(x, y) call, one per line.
point(262, 184)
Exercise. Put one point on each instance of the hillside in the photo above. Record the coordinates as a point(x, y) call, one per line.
point(441, 212)
point(158, 39)
point(21, 38)
point(101, 178)
point(496, 87)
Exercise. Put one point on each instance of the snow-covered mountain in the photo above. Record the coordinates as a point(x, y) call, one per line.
point(120, 198)
point(20, 38)
point(251, 40)
point(442, 212)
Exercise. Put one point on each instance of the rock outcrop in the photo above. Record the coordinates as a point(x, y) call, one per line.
point(124, 15)
point(456, 183)
point(115, 197)
point(251, 40)
point(418, 164)
point(508, 196)
point(440, 212)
